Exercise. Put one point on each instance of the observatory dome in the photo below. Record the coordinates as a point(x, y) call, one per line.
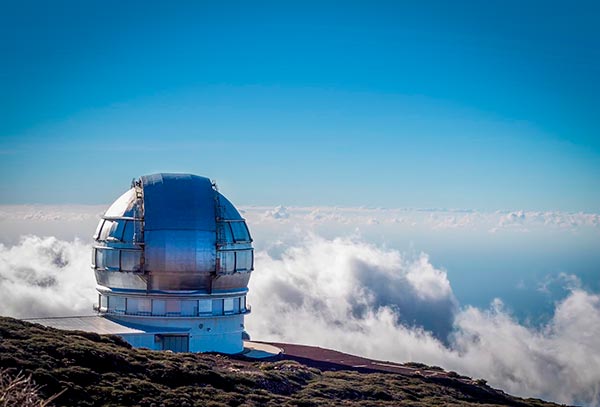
point(173, 232)
point(172, 259)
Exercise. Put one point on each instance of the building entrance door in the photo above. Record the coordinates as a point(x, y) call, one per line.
point(176, 343)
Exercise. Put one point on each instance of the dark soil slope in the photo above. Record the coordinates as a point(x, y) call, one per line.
point(105, 371)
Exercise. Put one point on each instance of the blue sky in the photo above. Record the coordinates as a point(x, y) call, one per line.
point(311, 103)
point(491, 107)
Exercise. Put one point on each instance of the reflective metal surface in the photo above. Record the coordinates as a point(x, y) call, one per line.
point(173, 232)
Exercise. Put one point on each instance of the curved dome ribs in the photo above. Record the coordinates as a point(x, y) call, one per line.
point(117, 248)
point(234, 244)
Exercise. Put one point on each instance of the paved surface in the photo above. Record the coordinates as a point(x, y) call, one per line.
point(97, 324)
point(327, 359)
point(258, 350)
point(101, 325)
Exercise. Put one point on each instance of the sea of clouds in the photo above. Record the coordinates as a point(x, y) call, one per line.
point(340, 290)
point(352, 296)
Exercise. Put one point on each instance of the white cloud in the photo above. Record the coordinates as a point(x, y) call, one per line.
point(514, 221)
point(430, 219)
point(512, 218)
point(69, 221)
point(452, 221)
point(279, 212)
point(46, 213)
point(351, 296)
point(63, 221)
point(45, 277)
point(560, 361)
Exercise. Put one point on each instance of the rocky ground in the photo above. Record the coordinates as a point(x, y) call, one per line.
point(92, 370)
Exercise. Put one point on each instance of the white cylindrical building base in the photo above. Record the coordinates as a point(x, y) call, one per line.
point(214, 334)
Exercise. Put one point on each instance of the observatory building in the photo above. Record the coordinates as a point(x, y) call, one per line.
point(172, 258)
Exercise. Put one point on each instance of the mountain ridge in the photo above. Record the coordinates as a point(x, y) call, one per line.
point(94, 370)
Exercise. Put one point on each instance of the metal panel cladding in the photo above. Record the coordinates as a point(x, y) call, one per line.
point(179, 230)
point(173, 232)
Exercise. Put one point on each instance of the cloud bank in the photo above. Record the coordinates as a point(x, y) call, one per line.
point(352, 296)
point(68, 221)
point(434, 218)
point(346, 294)
point(342, 280)
point(42, 277)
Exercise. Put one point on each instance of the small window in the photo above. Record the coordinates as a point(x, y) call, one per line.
point(111, 258)
point(205, 307)
point(189, 308)
point(243, 303)
point(240, 231)
point(226, 262)
point(217, 307)
point(140, 306)
point(236, 305)
point(173, 307)
point(103, 302)
point(99, 258)
point(228, 305)
point(107, 258)
point(159, 307)
point(243, 260)
point(94, 258)
point(106, 228)
point(117, 304)
point(228, 235)
point(129, 231)
point(116, 232)
point(130, 260)
point(98, 229)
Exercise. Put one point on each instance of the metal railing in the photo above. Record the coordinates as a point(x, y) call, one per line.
point(102, 310)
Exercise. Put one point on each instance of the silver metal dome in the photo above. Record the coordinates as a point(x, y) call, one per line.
point(173, 232)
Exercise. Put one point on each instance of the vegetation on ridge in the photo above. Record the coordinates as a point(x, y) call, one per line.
point(94, 370)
